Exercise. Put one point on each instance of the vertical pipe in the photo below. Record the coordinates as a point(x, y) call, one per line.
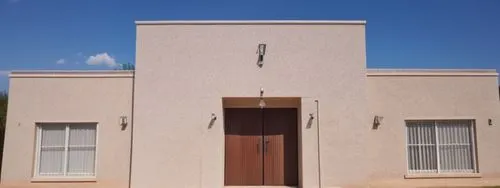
point(319, 148)
point(131, 131)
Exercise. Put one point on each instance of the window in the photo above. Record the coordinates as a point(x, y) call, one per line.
point(66, 149)
point(441, 146)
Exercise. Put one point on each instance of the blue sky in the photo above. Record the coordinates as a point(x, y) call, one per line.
point(97, 34)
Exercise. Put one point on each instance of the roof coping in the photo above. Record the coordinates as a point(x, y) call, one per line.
point(72, 74)
point(251, 22)
point(431, 72)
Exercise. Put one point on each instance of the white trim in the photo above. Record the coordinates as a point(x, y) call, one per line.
point(473, 137)
point(406, 147)
point(437, 118)
point(66, 150)
point(431, 72)
point(443, 175)
point(97, 127)
point(252, 22)
point(64, 122)
point(64, 179)
point(38, 143)
point(438, 155)
point(81, 146)
point(71, 74)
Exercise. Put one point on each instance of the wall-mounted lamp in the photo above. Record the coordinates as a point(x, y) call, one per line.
point(311, 116)
point(213, 117)
point(490, 122)
point(262, 103)
point(261, 51)
point(310, 120)
point(123, 121)
point(377, 120)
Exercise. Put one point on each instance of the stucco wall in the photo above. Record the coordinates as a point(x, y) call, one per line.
point(184, 70)
point(459, 94)
point(68, 97)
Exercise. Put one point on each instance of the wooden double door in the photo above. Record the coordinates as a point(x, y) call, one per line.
point(261, 146)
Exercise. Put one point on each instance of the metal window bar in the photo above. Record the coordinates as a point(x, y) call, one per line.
point(441, 146)
point(66, 143)
point(421, 147)
point(472, 136)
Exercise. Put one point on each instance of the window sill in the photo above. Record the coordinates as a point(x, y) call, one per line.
point(62, 179)
point(444, 175)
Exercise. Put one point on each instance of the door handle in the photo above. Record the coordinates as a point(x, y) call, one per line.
point(266, 141)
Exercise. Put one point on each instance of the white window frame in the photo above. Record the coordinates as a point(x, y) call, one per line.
point(38, 147)
point(473, 137)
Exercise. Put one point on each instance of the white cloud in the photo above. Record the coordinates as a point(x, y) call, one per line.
point(102, 59)
point(60, 61)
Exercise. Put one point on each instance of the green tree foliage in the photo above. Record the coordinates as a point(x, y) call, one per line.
point(3, 117)
point(126, 66)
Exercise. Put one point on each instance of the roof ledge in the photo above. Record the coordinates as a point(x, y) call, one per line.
point(252, 22)
point(431, 72)
point(71, 74)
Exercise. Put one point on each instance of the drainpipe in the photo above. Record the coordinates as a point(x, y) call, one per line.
point(131, 131)
point(319, 148)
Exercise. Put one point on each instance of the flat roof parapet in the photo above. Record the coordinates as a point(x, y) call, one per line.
point(431, 72)
point(72, 74)
point(252, 22)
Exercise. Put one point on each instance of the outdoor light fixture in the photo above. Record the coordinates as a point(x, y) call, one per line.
point(261, 51)
point(377, 120)
point(123, 120)
point(490, 122)
point(310, 120)
point(311, 116)
point(213, 117)
point(262, 103)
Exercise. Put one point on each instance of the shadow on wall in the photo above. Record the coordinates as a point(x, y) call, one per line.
point(3, 118)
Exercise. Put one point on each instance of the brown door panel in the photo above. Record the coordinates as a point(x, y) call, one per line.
point(243, 148)
point(280, 146)
point(261, 146)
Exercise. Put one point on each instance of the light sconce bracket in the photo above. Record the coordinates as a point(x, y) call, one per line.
point(261, 51)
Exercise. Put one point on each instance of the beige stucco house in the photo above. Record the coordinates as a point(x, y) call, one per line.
point(252, 103)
